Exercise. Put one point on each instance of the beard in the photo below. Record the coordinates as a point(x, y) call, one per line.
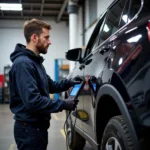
point(41, 47)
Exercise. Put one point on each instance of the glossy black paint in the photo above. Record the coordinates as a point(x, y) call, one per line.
point(134, 66)
point(74, 54)
point(122, 60)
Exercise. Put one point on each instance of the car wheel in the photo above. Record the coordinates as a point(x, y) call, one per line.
point(116, 135)
point(74, 140)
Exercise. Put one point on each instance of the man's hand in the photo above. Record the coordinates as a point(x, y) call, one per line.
point(70, 104)
point(77, 80)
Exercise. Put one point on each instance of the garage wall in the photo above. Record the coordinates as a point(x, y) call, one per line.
point(11, 32)
point(102, 5)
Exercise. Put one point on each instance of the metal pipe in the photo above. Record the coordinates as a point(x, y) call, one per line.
point(62, 10)
point(43, 1)
point(73, 28)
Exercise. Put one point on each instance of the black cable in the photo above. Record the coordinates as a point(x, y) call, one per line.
point(74, 123)
point(75, 119)
point(66, 122)
point(71, 124)
point(66, 127)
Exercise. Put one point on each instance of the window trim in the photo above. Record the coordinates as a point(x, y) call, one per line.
point(108, 12)
point(95, 32)
point(100, 33)
point(123, 12)
point(104, 14)
point(123, 27)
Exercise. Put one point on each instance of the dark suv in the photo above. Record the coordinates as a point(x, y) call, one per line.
point(113, 112)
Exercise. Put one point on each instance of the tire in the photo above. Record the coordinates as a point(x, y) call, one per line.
point(74, 140)
point(116, 134)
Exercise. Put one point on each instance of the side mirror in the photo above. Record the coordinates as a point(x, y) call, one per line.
point(74, 54)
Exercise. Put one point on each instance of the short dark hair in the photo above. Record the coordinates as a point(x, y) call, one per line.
point(34, 26)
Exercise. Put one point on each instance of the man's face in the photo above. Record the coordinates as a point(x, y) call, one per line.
point(43, 41)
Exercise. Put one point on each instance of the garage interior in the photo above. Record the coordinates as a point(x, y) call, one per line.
point(68, 32)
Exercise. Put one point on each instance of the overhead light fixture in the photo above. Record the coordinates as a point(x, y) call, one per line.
point(11, 6)
point(125, 18)
point(106, 29)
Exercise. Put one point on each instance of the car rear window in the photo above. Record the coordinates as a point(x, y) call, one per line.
point(135, 7)
point(112, 21)
point(132, 8)
point(146, 9)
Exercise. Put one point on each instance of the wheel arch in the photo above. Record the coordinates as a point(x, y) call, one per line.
point(104, 113)
point(108, 94)
point(118, 83)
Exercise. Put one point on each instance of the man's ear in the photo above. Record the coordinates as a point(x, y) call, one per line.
point(34, 37)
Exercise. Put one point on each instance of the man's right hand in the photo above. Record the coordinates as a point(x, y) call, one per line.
point(70, 104)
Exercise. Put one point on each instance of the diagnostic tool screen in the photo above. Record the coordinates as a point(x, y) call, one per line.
point(75, 90)
point(94, 86)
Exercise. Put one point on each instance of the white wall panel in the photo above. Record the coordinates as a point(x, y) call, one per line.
point(102, 6)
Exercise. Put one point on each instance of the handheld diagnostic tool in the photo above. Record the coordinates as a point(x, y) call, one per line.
point(76, 90)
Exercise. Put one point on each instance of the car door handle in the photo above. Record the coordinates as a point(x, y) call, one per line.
point(82, 67)
point(94, 83)
point(79, 78)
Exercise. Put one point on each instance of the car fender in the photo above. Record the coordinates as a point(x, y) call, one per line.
point(108, 89)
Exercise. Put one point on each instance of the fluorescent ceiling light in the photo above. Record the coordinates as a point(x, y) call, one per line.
point(135, 38)
point(11, 6)
point(125, 18)
point(106, 29)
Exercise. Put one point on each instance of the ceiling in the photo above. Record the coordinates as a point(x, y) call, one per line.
point(45, 9)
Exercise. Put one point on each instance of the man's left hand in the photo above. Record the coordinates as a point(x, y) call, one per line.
point(77, 80)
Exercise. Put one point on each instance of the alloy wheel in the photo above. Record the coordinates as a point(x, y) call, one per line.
point(113, 144)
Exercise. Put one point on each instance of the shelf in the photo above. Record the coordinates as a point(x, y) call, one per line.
point(64, 67)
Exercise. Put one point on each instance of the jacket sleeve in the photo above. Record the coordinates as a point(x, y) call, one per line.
point(56, 87)
point(29, 93)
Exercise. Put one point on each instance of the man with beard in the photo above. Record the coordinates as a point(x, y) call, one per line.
point(30, 87)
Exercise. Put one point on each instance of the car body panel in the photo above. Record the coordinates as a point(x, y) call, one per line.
point(121, 66)
point(80, 103)
point(131, 62)
point(92, 70)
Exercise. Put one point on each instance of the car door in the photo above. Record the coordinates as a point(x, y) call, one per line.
point(96, 61)
point(90, 59)
point(78, 71)
point(76, 118)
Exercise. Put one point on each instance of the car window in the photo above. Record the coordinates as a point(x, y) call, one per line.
point(131, 9)
point(123, 52)
point(93, 42)
point(112, 21)
point(124, 18)
point(134, 8)
point(145, 9)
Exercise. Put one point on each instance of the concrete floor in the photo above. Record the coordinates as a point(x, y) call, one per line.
point(56, 133)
